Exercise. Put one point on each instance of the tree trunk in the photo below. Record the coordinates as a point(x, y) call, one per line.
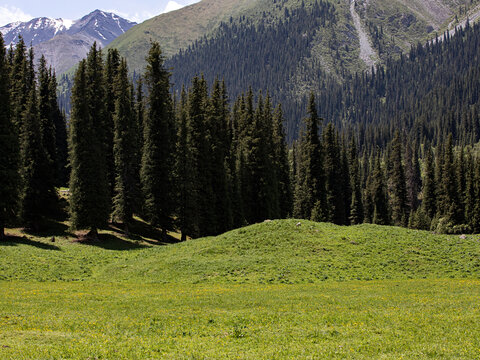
point(93, 234)
point(164, 235)
point(125, 229)
point(2, 232)
point(184, 236)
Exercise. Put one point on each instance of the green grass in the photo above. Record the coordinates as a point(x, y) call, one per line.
point(274, 252)
point(415, 319)
point(269, 291)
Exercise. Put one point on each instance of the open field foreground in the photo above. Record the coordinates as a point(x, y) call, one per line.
point(410, 319)
point(269, 291)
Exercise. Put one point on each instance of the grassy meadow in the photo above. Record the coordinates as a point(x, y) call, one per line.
point(269, 291)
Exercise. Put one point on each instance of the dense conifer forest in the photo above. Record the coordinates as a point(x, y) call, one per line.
point(393, 146)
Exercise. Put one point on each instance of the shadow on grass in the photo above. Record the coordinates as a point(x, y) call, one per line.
point(113, 242)
point(50, 228)
point(141, 231)
point(17, 240)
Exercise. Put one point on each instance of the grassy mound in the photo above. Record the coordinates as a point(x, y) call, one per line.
point(271, 252)
point(212, 298)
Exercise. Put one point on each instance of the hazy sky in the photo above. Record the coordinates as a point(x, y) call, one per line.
point(135, 10)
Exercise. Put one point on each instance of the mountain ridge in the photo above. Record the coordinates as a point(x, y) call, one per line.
point(65, 42)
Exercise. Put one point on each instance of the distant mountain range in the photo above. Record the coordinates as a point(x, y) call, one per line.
point(65, 42)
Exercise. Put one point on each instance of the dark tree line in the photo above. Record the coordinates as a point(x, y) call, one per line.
point(33, 139)
point(190, 163)
point(404, 184)
point(197, 164)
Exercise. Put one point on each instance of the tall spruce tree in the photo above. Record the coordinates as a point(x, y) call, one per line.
point(9, 150)
point(37, 193)
point(470, 191)
point(181, 166)
point(19, 82)
point(475, 217)
point(310, 200)
point(124, 149)
point(281, 164)
point(139, 108)
point(356, 207)
point(89, 190)
point(333, 177)
point(61, 138)
point(111, 71)
point(47, 129)
point(381, 215)
point(199, 212)
point(397, 183)
point(262, 177)
point(217, 121)
point(159, 141)
point(450, 205)
point(429, 192)
point(413, 177)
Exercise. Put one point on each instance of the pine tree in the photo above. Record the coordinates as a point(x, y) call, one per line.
point(451, 199)
point(61, 138)
point(139, 109)
point(111, 71)
point(333, 177)
point(356, 207)
point(236, 163)
point(47, 128)
point(310, 200)
point(470, 190)
point(124, 149)
point(261, 176)
point(429, 186)
point(198, 181)
point(459, 165)
point(281, 164)
point(89, 190)
point(381, 214)
point(36, 194)
point(475, 221)
point(181, 166)
point(397, 184)
point(244, 168)
point(159, 140)
point(413, 177)
point(346, 182)
point(217, 120)
point(9, 177)
point(19, 82)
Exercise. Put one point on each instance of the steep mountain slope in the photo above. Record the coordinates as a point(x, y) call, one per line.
point(65, 42)
point(387, 26)
point(178, 29)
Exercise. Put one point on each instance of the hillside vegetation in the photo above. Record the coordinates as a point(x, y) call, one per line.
point(272, 252)
point(392, 26)
point(177, 29)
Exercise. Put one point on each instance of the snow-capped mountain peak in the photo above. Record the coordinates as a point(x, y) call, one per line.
point(34, 31)
point(102, 26)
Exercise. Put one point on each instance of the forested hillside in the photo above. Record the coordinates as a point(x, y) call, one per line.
point(198, 164)
point(411, 91)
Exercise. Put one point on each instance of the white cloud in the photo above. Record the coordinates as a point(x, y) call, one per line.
point(141, 16)
point(9, 14)
point(172, 6)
